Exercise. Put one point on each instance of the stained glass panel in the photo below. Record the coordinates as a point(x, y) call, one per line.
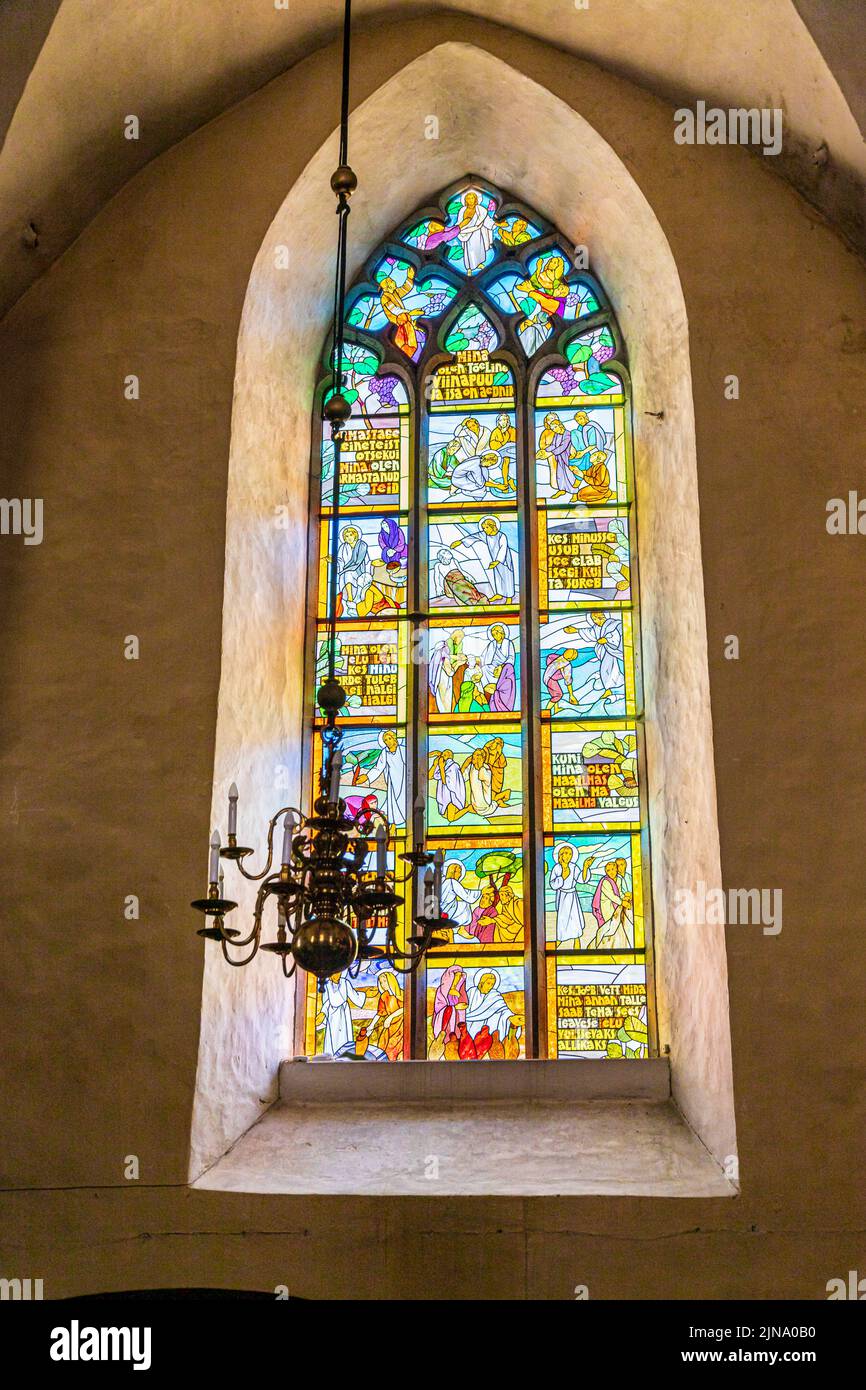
point(590, 777)
point(593, 897)
point(597, 1009)
point(473, 668)
point(516, 231)
point(488, 635)
point(475, 778)
point(373, 464)
point(580, 454)
point(482, 894)
point(584, 557)
point(371, 667)
point(465, 233)
point(369, 391)
point(473, 564)
point(373, 772)
point(475, 1011)
point(585, 373)
point(372, 561)
point(587, 664)
point(472, 457)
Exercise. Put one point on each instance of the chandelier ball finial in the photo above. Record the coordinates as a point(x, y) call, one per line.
point(344, 180)
point(324, 946)
point(330, 697)
point(337, 410)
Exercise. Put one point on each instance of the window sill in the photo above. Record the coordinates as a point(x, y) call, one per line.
point(472, 1129)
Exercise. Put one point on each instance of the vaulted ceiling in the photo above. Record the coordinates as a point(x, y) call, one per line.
point(73, 69)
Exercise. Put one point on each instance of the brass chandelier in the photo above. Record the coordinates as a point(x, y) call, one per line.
point(329, 904)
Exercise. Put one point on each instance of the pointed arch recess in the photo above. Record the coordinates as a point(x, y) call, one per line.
point(517, 135)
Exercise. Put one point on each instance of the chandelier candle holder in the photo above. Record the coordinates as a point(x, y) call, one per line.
point(333, 912)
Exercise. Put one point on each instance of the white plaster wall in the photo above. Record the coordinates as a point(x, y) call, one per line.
point(507, 128)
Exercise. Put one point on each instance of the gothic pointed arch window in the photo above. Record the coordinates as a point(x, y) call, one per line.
point(488, 631)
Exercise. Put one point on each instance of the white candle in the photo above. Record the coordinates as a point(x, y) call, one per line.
point(233, 809)
point(336, 769)
point(430, 894)
point(288, 836)
point(214, 869)
point(438, 861)
point(381, 843)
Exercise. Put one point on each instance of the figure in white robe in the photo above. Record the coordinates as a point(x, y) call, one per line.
point(471, 477)
point(469, 440)
point(458, 901)
point(450, 786)
point(603, 631)
point(339, 994)
point(486, 1004)
point(476, 233)
point(479, 783)
point(390, 767)
point(354, 569)
point(440, 676)
point(563, 881)
point(497, 669)
point(487, 559)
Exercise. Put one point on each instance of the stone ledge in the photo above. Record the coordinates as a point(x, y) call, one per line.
point(460, 1147)
point(305, 1083)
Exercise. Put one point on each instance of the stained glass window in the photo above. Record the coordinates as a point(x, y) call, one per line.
point(488, 640)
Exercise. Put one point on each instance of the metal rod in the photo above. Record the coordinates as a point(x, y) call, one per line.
point(339, 343)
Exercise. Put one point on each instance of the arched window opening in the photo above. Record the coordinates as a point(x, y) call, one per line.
point(489, 639)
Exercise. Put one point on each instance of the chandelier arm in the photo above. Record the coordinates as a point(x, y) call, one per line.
point(254, 878)
point(256, 932)
point(246, 960)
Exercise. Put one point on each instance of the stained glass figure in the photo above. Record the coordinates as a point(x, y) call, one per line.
point(475, 1011)
point(471, 377)
point(488, 639)
point(584, 374)
point(358, 1015)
